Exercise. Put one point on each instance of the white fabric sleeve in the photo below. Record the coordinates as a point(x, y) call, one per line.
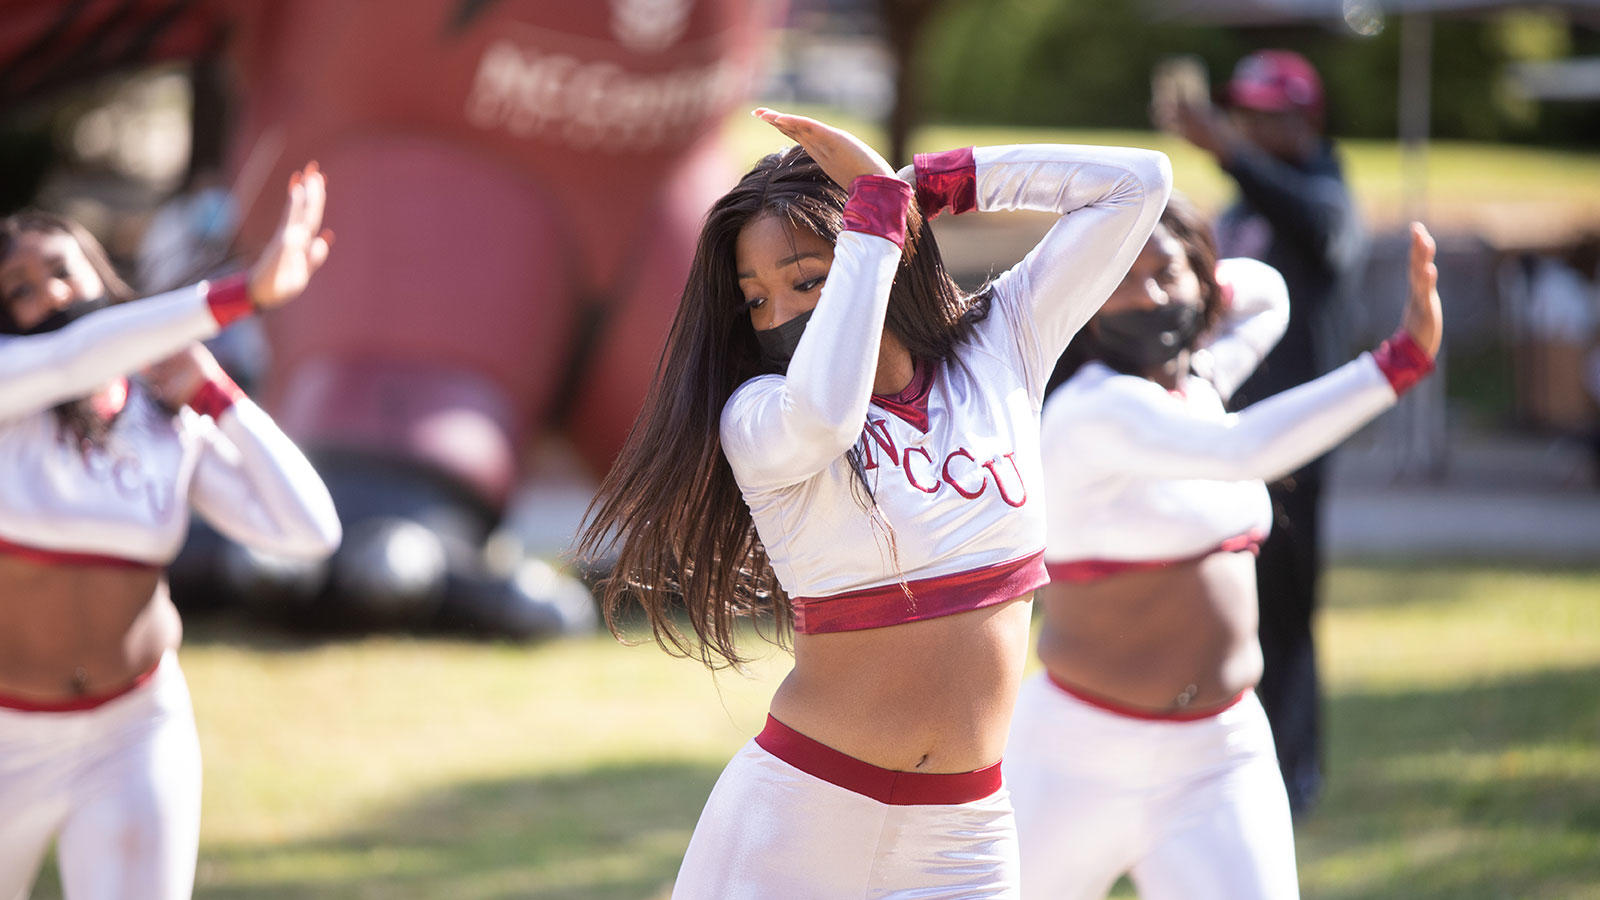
point(39, 371)
point(778, 430)
point(1132, 425)
point(257, 488)
point(1109, 198)
point(1250, 326)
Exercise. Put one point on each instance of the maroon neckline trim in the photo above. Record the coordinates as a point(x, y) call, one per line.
point(911, 403)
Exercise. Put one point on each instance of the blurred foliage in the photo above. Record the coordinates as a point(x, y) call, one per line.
point(1086, 63)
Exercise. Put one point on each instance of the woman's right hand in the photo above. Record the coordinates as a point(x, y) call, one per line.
point(1424, 315)
point(840, 154)
point(298, 247)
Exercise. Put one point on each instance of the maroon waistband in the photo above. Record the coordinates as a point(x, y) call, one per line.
point(70, 558)
point(1078, 571)
point(883, 785)
point(1130, 712)
point(923, 598)
point(77, 704)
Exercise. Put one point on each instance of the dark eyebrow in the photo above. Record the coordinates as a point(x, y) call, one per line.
point(786, 261)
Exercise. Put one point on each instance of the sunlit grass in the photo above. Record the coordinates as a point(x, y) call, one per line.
point(1463, 754)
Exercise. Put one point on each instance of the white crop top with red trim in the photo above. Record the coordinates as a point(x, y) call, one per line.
point(128, 502)
point(1138, 475)
point(953, 462)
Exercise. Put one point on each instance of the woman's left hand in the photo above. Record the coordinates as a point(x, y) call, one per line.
point(298, 247)
point(840, 154)
point(1424, 315)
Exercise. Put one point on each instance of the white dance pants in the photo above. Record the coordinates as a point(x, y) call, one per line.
point(117, 787)
point(774, 830)
point(1188, 809)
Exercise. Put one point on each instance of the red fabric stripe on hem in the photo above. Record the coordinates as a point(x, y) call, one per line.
point(229, 299)
point(1079, 571)
point(77, 704)
point(889, 786)
point(1130, 712)
point(70, 558)
point(1402, 361)
point(931, 598)
point(946, 180)
point(215, 397)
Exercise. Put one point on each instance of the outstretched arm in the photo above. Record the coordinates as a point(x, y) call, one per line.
point(1134, 426)
point(39, 371)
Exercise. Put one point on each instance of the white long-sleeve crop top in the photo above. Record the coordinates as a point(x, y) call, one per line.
point(1137, 476)
point(126, 503)
point(953, 461)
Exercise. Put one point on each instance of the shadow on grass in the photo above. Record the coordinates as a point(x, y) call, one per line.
point(1487, 790)
point(610, 832)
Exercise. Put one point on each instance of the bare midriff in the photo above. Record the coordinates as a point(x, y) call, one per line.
point(929, 696)
point(74, 631)
point(1173, 640)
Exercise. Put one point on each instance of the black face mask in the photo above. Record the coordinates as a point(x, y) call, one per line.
point(1143, 339)
point(778, 344)
point(61, 318)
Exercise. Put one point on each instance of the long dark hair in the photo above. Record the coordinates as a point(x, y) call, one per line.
point(670, 507)
point(1183, 221)
point(76, 417)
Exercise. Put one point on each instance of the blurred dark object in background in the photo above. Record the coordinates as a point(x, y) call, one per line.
point(516, 186)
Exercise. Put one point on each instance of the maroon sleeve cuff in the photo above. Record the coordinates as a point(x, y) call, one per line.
point(1402, 361)
point(878, 205)
point(947, 179)
point(215, 397)
point(229, 299)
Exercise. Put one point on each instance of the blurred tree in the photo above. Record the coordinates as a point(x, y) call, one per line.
point(1086, 63)
point(904, 22)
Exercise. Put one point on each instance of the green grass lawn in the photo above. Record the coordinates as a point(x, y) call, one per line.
point(1464, 752)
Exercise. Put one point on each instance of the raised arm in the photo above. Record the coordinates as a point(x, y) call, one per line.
point(781, 429)
point(39, 371)
point(1255, 314)
point(1109, 199)
point(1132, 425)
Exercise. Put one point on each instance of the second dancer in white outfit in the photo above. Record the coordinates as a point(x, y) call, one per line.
point(98, 472)
point(1142, 749)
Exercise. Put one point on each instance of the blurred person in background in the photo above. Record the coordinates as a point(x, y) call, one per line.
point(98, 750)
point(843, 441)
point(1294, 213)
point(1142, 748)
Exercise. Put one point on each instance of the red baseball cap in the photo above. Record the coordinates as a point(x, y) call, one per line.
point(1275, 81)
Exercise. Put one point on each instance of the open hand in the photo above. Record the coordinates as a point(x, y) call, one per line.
point(298, 247)
point(1424, 316)
point(840, 154)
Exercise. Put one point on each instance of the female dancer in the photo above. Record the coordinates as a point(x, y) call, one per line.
point(1142, 748)
point(97, 740)
point(839, 436)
